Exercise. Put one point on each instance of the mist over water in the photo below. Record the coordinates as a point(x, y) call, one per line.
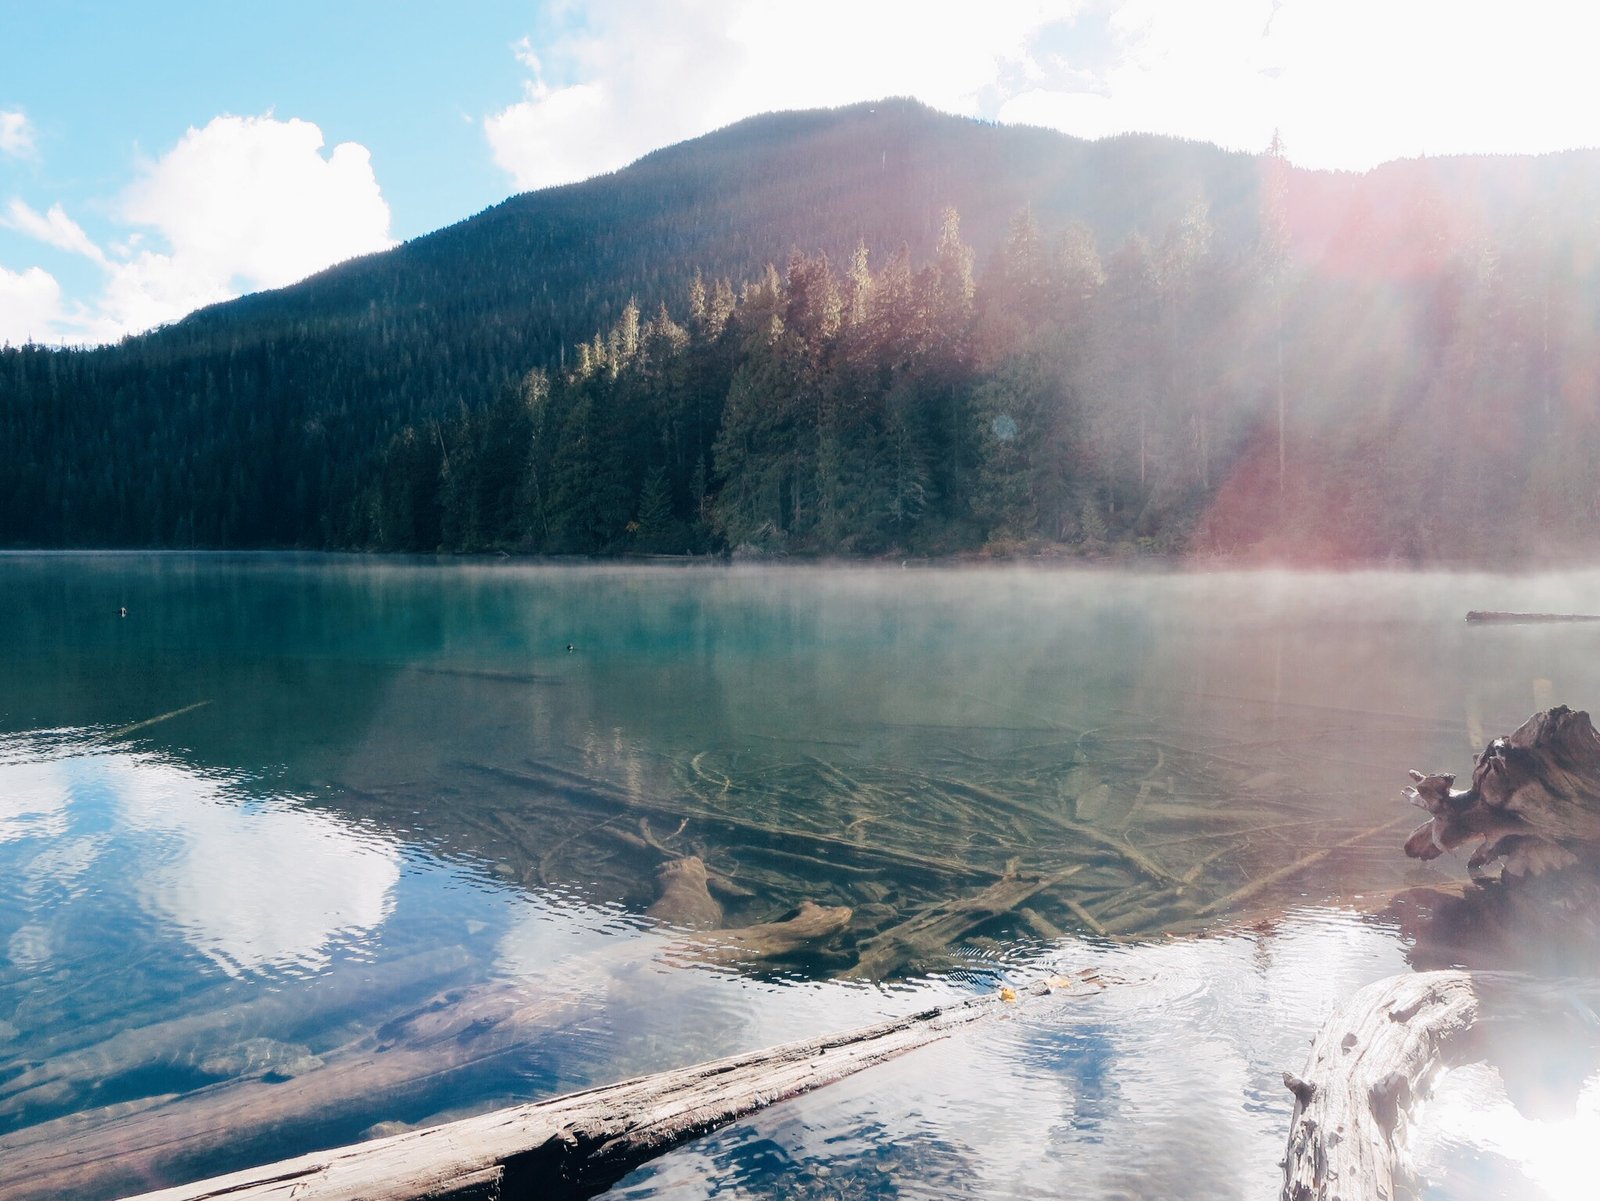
point(400, 785)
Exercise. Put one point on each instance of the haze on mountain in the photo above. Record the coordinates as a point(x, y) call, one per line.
point(877, 330)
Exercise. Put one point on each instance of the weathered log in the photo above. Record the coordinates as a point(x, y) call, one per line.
point(1534, 799)
point(1377, 1056)
point(1372, 1061)
point(578, 1145)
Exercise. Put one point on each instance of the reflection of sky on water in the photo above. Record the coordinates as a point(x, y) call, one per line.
point(1088, 1092)
point(1167, 1082)
point(34, 803)
point(1473, 1142)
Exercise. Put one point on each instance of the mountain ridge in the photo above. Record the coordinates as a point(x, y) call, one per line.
point(1110, 220)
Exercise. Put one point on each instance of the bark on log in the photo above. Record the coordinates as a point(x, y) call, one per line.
point(578, 1145)
point(1534, 799)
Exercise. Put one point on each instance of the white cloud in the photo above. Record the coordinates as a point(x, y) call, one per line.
point(648, 73)
point(1350, 83)
point(30, 306)
point(1199, 71)
point(16, 134)
point(243, 204)
point(253, 197)
point(54, 228)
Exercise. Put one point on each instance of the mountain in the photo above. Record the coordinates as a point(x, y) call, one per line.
point(266, 420)
point(514, 285)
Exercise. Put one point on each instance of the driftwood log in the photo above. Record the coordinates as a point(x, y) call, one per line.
point(1378, 1055)
point(578, 1145)
point(1371, 1062)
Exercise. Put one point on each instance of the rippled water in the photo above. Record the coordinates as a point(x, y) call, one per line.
point(302, 849)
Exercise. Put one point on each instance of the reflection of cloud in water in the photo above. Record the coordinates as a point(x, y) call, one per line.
point(570, 943)
point(30, 947)
point(33, 801)
point(254, 885)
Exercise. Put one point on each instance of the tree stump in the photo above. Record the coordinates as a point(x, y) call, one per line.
point(1534, 799)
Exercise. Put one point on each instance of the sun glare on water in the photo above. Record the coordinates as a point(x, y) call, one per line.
point(1472, 1141)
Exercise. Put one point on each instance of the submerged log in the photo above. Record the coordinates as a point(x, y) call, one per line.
point(578, 1145)
point(127, 1147)
point(810, 925)
point(931, 933)
point(685, 898)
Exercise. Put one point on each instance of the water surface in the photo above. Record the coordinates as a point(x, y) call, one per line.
point(322, 847)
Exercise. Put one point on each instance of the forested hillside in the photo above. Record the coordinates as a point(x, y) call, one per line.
point(873, 330)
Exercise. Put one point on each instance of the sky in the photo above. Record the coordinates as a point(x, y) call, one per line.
point(161, 156)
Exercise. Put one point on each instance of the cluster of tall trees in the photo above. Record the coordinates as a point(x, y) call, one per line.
point(1425, 394)
point(856, 408)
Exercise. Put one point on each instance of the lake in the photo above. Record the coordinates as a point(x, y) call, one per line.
point(303, 849)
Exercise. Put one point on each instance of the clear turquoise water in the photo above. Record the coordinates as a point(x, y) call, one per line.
point(242, 916)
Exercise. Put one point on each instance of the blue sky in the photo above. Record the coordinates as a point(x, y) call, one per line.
point(162, 155)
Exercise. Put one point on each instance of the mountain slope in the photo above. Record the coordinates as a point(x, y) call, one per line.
point(545, 269)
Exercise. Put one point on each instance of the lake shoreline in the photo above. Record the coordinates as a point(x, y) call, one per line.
point(1049, 558)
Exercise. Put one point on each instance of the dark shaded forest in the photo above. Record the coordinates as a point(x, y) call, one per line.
point(975, 338)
